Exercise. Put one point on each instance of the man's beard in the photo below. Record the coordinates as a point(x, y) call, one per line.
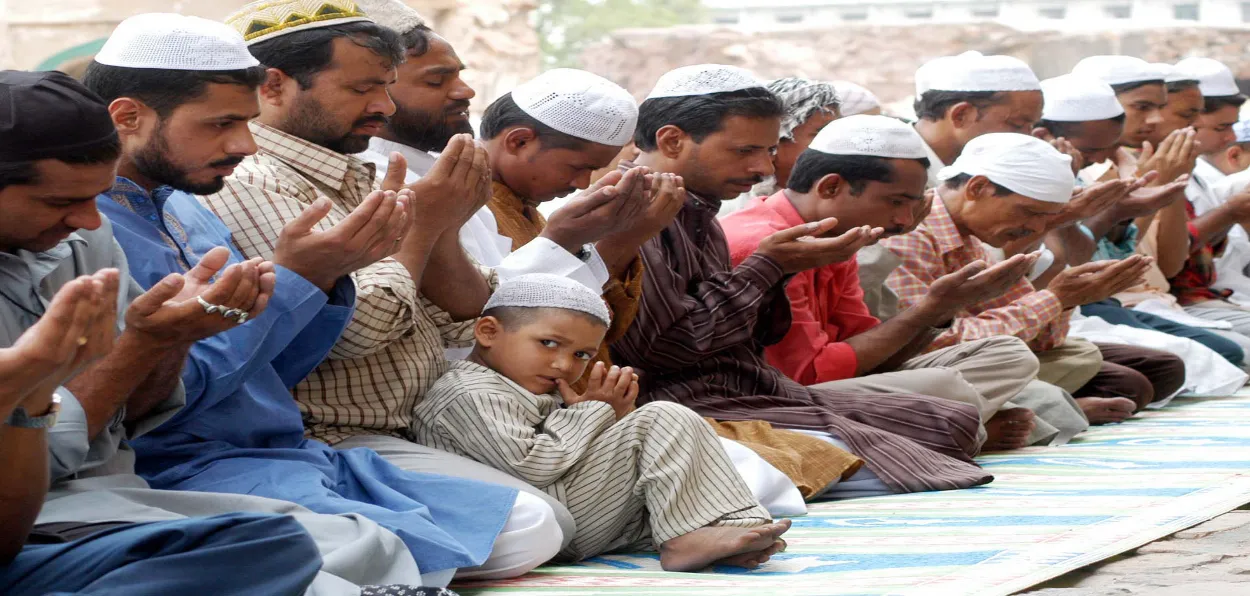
point(427, 131)
point(153, 162)
point(308, 120)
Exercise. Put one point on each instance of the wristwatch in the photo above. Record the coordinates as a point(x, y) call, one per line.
point(20, 419)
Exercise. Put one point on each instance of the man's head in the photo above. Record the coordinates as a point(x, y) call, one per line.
point(431, 100)
point(327, 76)
point(1237, 156)
point(810, 106)
point(1084, 111)
point(1221, 103)
point(855, 99)
point(181, 91)
point(863, 170)
point(715, 126)
point(549, 135)
point(969, 95)
point(1139, 87)
point(539, 328)
point(58, 150)
point(1006, 187)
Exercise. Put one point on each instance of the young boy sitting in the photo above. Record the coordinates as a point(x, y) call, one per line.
point(646, 478)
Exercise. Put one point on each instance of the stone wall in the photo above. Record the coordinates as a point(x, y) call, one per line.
point(493, 37)
point(884, 58)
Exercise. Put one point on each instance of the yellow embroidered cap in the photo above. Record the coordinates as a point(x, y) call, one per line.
point(267, 19)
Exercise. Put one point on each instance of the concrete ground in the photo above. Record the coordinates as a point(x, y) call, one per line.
point(1211, 559)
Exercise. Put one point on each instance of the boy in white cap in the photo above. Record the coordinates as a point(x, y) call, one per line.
point(872, 170)
point(1003, 187)
point(959, 98)
point(1140, 87)
point(702, 323)
point(651, 477)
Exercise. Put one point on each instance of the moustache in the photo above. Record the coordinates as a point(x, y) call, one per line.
point(225, 163)
point(459, 106)
point(752, 181)
point(383, 120)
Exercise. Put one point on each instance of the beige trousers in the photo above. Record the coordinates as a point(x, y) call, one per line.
point(1071, 365)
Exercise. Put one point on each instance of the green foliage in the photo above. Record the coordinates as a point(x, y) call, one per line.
point(567, 27)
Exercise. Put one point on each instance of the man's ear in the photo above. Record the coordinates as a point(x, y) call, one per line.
point(671, 140)
point(1043, 134)
point(127, 114)
point(962, 114)
point(271, 89)
point(829, 186)
point(517, 138)
point(978, 188)
point(487, 331)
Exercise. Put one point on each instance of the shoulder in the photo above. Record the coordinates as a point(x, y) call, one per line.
point(745, 229)
point(266, 173)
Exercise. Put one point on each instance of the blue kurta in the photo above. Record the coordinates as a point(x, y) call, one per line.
point(241, 431)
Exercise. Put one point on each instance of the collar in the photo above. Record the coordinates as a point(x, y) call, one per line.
point(935, 163)
point(1207, 172)
point(780, 203)
point(505, 198)
point(943, 228)
point(323, 165)
point(125, 191)
point(419, 162)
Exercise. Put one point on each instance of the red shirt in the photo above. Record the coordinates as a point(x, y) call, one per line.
point(826, 304)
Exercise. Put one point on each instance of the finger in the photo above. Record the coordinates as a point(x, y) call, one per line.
point(464, 165)
point(596, 375)
point(448, 160)
point(585, 204)
point(808, 229)
point(268, 283)
point(223, 289)
point(1147, 151)
point(621, 387)
point(351, 225)
point(566, 393)
point(613, 377)
point(146, 304)
point(212, 263)
point(245, 292)
point(396, 172)
point(304, 222)
point(632, 394)
point(377, 229)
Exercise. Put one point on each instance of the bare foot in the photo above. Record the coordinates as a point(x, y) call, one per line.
point(720, 544)
point(1008, 429)
point(753, 560)
point(1106, 410)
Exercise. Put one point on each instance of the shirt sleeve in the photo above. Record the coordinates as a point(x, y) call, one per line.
point(681, 322)
point(493, 427)
point(1036, 317)
point(808, 354)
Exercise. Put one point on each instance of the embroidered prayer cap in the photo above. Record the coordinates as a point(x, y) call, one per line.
point(1242, 130)
point(267, 19)
point(975, 72)
point(1024, 164)
point(392, 14)
point(854, 99)
point(801, 99)
point(1074, 98)
point(703, 79)
point(874, 136)
point(1171, 74)
point(1214, 79)
point(546, 290)
point(1119, 70)
point(581, 104)
point(175, 42)
point(49, 115)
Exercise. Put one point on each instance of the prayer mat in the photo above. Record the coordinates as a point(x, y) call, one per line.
point(1049, 511)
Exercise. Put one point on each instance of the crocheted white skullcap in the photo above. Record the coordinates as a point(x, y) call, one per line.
point(581, 104)
point(1171, 74)
point(546, 290)
point(975, 72)
point(175, 42)
point(874, 136)
point(1027, 165)
point(392, 14)
point(703, 79)
point(1074, 98)
point(1119, 70)
point(854, 99)
point(1214, 78)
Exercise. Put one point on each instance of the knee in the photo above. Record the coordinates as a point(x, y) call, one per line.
point(1020, 354)
point(1226, 348)
point(671, 413)
point(1170, 375)
point(530, 537)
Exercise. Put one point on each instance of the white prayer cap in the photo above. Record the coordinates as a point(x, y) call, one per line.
point(854, 99)
point(1074, 98)
point(703, 79)
point(546, 290)
point(1242, 130)
point(1171, 74)
point(1024, 164)
point(392, 14)
point(175, 42)
point(1214, 79)
point(1118, 70)
point(581, 104)
point(975, 72)
point(875, 136)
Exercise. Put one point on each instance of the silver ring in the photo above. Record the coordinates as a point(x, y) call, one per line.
point(242, 318)
point(231, 313)
point(208, 306)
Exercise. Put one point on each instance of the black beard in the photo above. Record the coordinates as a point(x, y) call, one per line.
point(151, 161)
point(425, 131)
point(308, 121)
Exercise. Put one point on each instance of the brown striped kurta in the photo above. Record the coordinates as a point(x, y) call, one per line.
point(698, 340)
point(652, 476)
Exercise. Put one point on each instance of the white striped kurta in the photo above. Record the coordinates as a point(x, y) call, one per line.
point(654, 475)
